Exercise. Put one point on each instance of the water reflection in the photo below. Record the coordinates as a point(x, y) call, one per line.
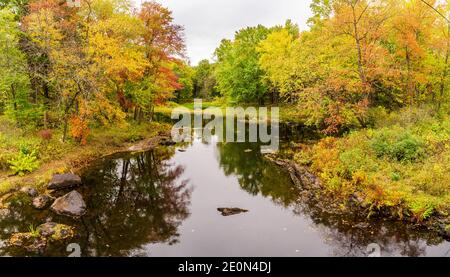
point(164, 202)
point(255, 174)
point(131, 199)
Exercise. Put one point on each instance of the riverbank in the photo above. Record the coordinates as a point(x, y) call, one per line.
point(287, 113)
point(30, 158)
point(400, 168)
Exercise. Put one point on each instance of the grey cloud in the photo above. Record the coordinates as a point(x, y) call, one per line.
point(207, 22)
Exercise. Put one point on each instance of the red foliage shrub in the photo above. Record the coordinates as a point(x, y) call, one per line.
point(46, 134)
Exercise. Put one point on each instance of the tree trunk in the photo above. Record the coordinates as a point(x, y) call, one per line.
point(362, 74)
point(13, 93)
point(409, 85)
point(445, 72)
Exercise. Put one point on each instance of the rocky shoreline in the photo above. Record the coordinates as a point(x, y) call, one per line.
point(70, 204)
point(311, 187)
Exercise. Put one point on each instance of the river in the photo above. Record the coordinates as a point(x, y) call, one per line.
point(164, 203)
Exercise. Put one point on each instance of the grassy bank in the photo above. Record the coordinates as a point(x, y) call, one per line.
point(287, 113)
point(400, 166)
point(29, 157)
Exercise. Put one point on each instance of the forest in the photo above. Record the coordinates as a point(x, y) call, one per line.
point(370, 77)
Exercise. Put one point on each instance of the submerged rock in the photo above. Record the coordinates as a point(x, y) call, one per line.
point(64, 181)
point(30, 191)
point(42, 202)
point(71, 204)
point(231, 211)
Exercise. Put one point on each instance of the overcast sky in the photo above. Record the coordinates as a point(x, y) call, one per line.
point(207, 22)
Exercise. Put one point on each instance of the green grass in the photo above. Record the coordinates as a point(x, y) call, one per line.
point(24, 153)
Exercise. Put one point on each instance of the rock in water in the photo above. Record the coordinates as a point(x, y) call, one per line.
point(64, 181)
point(38, 241)
point(42, 202)
point(28, 241)
point(71, 204)
point(30, 191)
point(55, 232)
point(167, 142)
point(231, 211)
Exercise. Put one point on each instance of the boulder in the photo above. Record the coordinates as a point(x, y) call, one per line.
point(231, 211)
point(42, 202)
point(29, 191)
point(71, 204)
point(64, 181)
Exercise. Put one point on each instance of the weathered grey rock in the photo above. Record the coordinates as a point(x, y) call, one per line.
point(30, 191)
point(231, 211)
point(71, 204)
point(42, 202)
point(64, 181)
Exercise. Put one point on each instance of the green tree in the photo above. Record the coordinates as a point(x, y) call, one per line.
point(204, 80)
point(14, 81)
point(238, 74)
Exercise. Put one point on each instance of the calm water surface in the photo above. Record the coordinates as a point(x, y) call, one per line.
point(164, 203)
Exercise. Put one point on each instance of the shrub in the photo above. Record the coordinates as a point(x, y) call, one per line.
point(404, 148)
point(46, 134)
point(23, 163)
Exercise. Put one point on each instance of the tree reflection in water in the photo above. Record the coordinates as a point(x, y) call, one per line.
point(132, 200)
point(136, 200)
point(348, 234)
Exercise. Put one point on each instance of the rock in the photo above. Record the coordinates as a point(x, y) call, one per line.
point(444, 231)
point(71, 204)
point(55, 231)
point(167, 142)
point(182, 150)
point(30, 191)
point(28, 241)
point(45, 233)
point(42, 202)
point(362, 225)
point(231, 211)
point(64, 181)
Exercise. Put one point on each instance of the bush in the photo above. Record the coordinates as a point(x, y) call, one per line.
point(403, 148)
point(46, 134)
point(24, 163)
